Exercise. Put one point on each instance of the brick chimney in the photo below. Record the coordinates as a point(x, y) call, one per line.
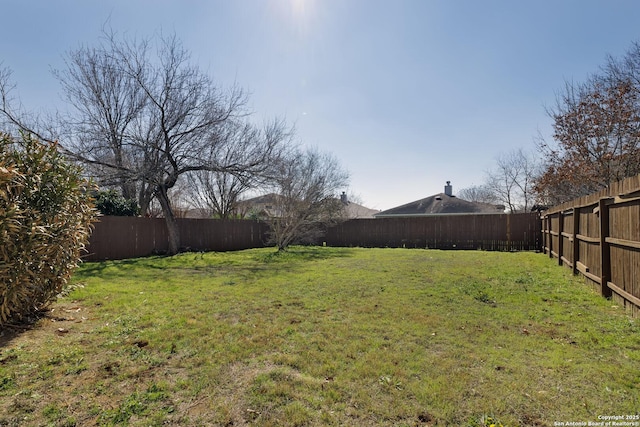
point(448, 189)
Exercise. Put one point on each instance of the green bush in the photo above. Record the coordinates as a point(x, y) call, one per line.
point(110, 202)
point(45, 221)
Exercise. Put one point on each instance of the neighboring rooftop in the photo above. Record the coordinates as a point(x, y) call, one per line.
point(264, 206)
point(354, 210)
point(441, 204)
point(267, 206)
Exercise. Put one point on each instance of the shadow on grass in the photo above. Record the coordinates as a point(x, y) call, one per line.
point(261, 261)
point(10, 332)
point(96, 268)
point(13, 329)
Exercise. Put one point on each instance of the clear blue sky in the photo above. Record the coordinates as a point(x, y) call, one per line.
point(406, 93)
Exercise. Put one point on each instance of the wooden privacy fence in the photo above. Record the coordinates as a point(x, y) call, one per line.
point(502, 232)
point(117, 237)
point(598, 236)
point(131, 237)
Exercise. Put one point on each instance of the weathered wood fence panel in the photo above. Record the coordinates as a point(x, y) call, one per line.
point(488, 232)
point(130, 237)
point(116, 237)
point(221, 235)
point(598, 236)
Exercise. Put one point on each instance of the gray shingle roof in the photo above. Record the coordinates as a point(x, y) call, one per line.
point(440, 204)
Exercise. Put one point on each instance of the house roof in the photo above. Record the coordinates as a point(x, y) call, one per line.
point(441, 204)
point(265, 205)
point(354, 210)
point(268, 203)
point(266, 198)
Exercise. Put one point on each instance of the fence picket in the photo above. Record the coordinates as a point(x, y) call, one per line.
point(606, 240)
point(129, 237)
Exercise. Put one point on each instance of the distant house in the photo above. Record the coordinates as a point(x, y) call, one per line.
point(354, 210)
point(193, 213)
point(267, 206)
point(441, 204)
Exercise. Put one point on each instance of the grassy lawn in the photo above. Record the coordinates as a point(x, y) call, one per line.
point(324, 336)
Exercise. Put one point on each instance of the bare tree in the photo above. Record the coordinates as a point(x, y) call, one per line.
point(152, 118)
point(511, 181)
point(14, 117)
point(215, 193)
point(218, 192)
point(478, 194)
point(306, 184)
point(106, 101)
point(6, 86)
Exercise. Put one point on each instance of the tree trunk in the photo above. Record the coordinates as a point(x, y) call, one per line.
point(172, 226)
point(144, 198)
point(128, 188)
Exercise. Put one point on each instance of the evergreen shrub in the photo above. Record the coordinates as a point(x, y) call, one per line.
point(46, 213)
point(110, 202)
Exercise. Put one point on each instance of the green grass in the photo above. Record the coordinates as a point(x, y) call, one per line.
point(324, 336)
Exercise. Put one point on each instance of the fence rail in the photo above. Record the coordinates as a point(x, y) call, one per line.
point(598, 236)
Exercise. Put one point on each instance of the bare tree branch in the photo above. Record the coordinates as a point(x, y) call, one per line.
point(511, 181)
point(306, 201)
point(144, 116)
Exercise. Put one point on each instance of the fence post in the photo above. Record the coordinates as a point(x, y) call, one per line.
point(576, 242)
point(605, 251)
point(508, 232)
point(560, 242)
point(547, 235)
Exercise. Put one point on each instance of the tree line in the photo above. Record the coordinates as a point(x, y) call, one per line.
point(144, 118)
